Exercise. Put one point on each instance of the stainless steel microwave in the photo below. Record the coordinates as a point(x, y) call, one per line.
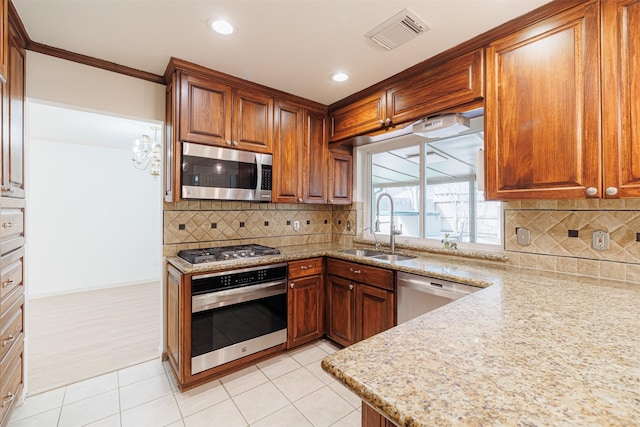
point(216, 173)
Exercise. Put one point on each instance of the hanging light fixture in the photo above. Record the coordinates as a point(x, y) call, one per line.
point(147, 153)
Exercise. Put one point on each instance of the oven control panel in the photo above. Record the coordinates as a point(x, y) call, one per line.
point(215, 282)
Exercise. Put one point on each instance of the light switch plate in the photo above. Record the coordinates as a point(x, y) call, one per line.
point(600, 240)
point(524, 236)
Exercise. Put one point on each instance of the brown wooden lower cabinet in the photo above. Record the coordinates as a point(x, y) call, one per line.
point(355, 310)
point(305, 299)
point(371, 418)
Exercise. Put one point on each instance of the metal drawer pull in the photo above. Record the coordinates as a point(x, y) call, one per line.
point(350, 287)
point(355, 271)
point(7, 283)
point(10, 397)
point(7, 224)
point(291, 285)
point(7, 189)
point(306, 267)
point(8, 341)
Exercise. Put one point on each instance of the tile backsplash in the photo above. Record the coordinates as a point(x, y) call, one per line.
point(193, 224)
point(551, 223)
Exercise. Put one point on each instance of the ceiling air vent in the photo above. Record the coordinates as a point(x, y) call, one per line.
point(397, 30)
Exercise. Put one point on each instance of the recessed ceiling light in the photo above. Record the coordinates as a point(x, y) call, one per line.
point(339, 77)
point(221, 26)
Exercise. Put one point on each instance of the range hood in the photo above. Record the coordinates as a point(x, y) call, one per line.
point(442, 126)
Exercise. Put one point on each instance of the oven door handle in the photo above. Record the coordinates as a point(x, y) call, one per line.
point(235, 296)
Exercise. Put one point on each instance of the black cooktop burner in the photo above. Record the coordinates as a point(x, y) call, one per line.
point(224, 253)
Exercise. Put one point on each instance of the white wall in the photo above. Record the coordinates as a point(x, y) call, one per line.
point(87, 206)
point(94, 219)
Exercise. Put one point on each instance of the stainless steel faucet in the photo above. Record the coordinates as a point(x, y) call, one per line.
point(374, 236)
point(393, 231)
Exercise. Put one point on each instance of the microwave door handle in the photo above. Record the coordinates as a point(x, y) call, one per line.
point(259, 173)
point(237, 295)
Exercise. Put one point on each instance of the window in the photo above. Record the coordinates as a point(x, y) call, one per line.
point(434, 188)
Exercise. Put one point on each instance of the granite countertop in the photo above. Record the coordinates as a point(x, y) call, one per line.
point(533, 348)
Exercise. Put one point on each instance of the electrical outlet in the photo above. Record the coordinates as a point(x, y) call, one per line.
point(524, 236)
point(600, 240)
point(296, 225)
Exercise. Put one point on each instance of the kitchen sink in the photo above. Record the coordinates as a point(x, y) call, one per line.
point(393, 257)
point(362, 252)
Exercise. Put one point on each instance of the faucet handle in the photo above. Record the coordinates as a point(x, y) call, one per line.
point(396, 231)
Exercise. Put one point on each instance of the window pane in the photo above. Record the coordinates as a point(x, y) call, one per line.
point(397, 172)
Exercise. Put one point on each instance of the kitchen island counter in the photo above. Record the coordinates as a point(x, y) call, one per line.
point(535, 349)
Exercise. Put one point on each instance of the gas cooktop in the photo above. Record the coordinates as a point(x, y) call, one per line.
point(225, 253)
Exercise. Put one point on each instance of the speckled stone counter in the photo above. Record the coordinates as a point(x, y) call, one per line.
point(533, 349)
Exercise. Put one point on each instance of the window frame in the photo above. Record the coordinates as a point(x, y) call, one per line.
point(367, 151)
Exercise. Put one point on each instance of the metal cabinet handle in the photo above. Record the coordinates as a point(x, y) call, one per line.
point(387, 121)
point(7, 224)
point(350, 287)
point(611, 191)
point(299, 199)
point(355, 271)
point(306, 267)
point(330, 200)
point(9, 340)
point(592, 191)
point(10, 397)
point(7, 189)
point(235, 143)
point(7, 283)
point(291, 285)
point(381, 122)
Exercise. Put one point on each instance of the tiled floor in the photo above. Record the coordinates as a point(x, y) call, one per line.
point(288, 390)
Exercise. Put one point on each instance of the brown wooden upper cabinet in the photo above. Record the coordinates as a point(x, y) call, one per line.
point(300, 153)
point(448, 85)
point(620, 98)
point(543, 135)
point(340, 177)
point(213, 113)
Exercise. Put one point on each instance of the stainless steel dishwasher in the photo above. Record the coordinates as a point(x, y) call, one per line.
point(418, 295)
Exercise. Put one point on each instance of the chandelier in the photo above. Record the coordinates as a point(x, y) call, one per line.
point(147, 153)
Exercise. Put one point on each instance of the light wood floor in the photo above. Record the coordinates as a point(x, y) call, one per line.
point(82, 335)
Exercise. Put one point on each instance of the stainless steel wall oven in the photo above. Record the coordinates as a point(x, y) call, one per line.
point(237, 313)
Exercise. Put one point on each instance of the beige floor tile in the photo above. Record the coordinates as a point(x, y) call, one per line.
point(142, 371)
point(354, 419)
point(144, 391)
point(243, 380)
point(288, 416)
point(201, 397)
point(317, 370)
point(352, 398)
point(298, 383)
point(308, 354)
point(328, 346)
point(260, 402)
point(323, 407)
point(43, 419)
point(159, 412)
point(223, 414)
point(39, 403)
point(278, 366)
point(91, 387)
point(112, 421)
point(89, 410)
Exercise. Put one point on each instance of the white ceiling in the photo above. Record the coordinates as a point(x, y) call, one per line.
point(290, 45)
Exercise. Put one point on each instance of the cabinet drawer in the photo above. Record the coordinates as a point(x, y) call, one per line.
point(305, 267)
point(10, 278)
point(11, 371)
point(11, 223)
point(361, 273)
point(12, 327)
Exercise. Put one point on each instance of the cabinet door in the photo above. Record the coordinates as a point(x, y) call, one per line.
point(452, 84)
point(252, 121)
point(542, 134)
point(287, 161)
point(4, 39)
point(305, 312)
point(361, 116)
point(13, 122)
point(340, 310)
point(205, 111)
point(316, 148)
point(340, 177)
point(621, 92)
point(173, 321)
point(375, 311)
